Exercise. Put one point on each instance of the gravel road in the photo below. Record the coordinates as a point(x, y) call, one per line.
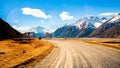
point(76, 54)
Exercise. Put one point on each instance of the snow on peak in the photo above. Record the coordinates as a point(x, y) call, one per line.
point(97, 24)
point(80, 22)
point(43, 30)
point(115, 18)
point(90, 22)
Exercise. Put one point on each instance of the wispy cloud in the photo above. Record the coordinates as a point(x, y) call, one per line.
point(108, 14)
point(35, 12)
point(24, 29)
point(65, 16)
point(49, 16)
point(37, 29)
point(15, 21)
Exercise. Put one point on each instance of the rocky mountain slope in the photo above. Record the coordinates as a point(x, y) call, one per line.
point(7, 32)
point(108, 29)
point(113, 32)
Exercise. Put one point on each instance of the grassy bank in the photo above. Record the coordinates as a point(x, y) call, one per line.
point(18, 54)
point(109, 42)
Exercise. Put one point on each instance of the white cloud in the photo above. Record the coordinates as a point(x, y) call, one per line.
point(35, 12)
point(15, 21)
point(36, 29)
point(107, 14)
point(49, 16)
point(24, 29)
point(65, 16)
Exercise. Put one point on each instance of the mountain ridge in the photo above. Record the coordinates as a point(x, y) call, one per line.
point(80, 28)
point(114, 21)
point(7, 32)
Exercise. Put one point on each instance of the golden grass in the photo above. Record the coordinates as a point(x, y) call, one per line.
point(17, 54)
point(109, 42)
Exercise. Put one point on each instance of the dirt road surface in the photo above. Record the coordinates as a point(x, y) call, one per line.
point(75, 54)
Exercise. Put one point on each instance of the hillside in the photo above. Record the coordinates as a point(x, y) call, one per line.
point(108, 29)
point(7, 32)
point(112, 32)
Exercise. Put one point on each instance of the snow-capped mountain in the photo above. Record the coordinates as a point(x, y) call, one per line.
point(81, 28)
point(85, 22)
point(107, 27)
point(116, 18)
point(41, 31)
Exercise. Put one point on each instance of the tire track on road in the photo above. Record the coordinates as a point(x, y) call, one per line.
point(72, 54)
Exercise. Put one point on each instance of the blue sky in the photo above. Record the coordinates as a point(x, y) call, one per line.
point(51, 14)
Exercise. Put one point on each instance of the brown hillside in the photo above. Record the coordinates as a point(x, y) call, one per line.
point(7, 32)
point(109, 29)
point(112, 32)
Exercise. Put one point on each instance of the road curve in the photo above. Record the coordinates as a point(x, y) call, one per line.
point(74, 54)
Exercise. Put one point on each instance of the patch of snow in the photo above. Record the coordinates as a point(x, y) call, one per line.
point(97, 24)
point(89, 22)
point(79, 23)
point(104, 20)
point(115, 18)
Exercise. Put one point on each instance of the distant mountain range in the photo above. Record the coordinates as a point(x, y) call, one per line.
point(82, 27)
point(91, 27)
point(7, 32)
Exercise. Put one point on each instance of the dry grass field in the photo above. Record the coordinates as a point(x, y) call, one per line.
point(16, 54)
point(109, 42)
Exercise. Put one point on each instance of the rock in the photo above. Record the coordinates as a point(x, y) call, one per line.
point(24, 51)
point(2, 52)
